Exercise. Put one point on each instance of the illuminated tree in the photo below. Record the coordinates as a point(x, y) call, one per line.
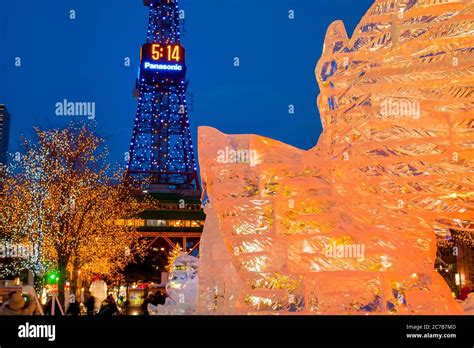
point(63, 200)
point(174, 253)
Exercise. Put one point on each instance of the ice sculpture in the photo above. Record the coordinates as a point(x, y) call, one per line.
point(219, 282)
point(98, 290)
point(349, 227)
point(182, 288)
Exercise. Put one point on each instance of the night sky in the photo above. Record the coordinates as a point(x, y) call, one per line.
point(83, 60)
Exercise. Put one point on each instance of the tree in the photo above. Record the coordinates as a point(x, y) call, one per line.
point(65, 201)
point(173, 255)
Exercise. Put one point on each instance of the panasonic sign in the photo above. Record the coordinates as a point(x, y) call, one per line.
point(163, 67)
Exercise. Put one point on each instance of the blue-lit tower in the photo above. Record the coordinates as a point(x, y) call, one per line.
point(161, 150)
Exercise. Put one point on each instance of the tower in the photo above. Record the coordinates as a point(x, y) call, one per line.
point(161, 151)
point(161, 157)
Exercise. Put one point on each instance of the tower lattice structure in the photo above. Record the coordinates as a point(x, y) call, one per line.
point(161, 151)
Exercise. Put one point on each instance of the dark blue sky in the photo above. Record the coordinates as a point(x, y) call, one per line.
point(83, 60)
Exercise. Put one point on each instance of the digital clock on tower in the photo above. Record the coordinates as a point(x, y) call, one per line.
point(165, 60)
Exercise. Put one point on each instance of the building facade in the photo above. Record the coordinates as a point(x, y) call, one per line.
point(168, 221)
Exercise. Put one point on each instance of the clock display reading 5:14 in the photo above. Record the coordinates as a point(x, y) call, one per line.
point(168, 52)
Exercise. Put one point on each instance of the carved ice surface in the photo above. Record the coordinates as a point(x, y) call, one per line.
point(350, 226)
point(182, 288)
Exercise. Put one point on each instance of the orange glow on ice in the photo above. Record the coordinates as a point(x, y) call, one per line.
point(348, 227)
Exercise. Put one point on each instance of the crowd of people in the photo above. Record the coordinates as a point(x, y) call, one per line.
point(18, 303)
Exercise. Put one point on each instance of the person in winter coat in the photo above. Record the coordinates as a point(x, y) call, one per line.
point(16, 305)
point(109, 307)
point(89, 302)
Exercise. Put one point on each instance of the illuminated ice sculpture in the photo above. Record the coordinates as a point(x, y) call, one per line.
point(350, 226)
point(182, 288)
